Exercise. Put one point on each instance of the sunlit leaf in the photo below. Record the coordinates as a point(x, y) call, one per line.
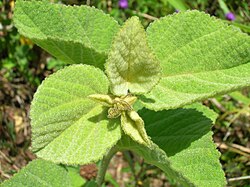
point(131, 67)
point(74, 34)
point(40, 173)
point(66, 124)
point(200, 56)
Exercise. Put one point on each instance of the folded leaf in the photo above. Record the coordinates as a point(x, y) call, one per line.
point(131, 67)
point(74, 34)
point(40, 173)
point(133, 126)
point(200, 56)
point(65, 123)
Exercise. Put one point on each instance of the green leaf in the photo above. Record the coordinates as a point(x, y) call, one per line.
point(188, 154)
point(201, 57)
point(131, 66)
point(65, 123)
point(74, 174)
point(185, 136)
point(240, 98)
point(74, 34)
point(243, 27)
point(39, 173)
point(133, 126)
point(209, 113)
point(153, 155)
point(178, 4)
point(90, 184)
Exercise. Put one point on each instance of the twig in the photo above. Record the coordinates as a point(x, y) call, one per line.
point(223, 116)
point(118, 173)
point(9, 161)
point(4, 174)
point(5, 157)
point(15, 167)
point(240, 147)
point(147, 16)
point(217, 104)
point(238, 178)
point(235, 148)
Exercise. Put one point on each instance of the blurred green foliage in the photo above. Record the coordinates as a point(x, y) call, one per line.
point(15, 51)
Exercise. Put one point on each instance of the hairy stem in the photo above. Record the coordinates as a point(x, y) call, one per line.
point(104, 166)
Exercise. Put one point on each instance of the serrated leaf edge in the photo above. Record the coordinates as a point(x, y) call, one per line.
point(92, 8)
point(201, 98)
point(37, 92)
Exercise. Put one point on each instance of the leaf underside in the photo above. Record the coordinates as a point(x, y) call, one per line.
point(40, 173)
point(187, 153)
point(74, 34)
point(131, 66)
point(200, 56)
point(65, 123)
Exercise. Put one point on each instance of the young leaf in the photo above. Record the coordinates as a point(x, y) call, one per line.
point(65, 123)
point(185, 136)
point(201, 57)
point(131, 67)
point(133, 126)
point(40, 173)
point(74, 34)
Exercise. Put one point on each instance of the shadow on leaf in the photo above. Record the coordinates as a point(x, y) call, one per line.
point(112, 123)
point(175, 130)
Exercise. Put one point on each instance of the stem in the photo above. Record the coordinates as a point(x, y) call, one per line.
point(130, 163)
point(104, 166)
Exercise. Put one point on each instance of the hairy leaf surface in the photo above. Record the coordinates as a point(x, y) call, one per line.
point(133, 126)
point(65, 123)
point(40, 173)
point(209, 113)
point(200, 56)
point(74, 34)
point(186, 151)
point(131, 66)
point(185, 136)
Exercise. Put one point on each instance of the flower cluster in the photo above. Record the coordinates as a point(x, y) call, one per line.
point(123, 4)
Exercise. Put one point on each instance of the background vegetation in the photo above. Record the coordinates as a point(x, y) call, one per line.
point(23, 66)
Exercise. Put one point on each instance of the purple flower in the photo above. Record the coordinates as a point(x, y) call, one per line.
point(230, 16)
point(123, 4)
